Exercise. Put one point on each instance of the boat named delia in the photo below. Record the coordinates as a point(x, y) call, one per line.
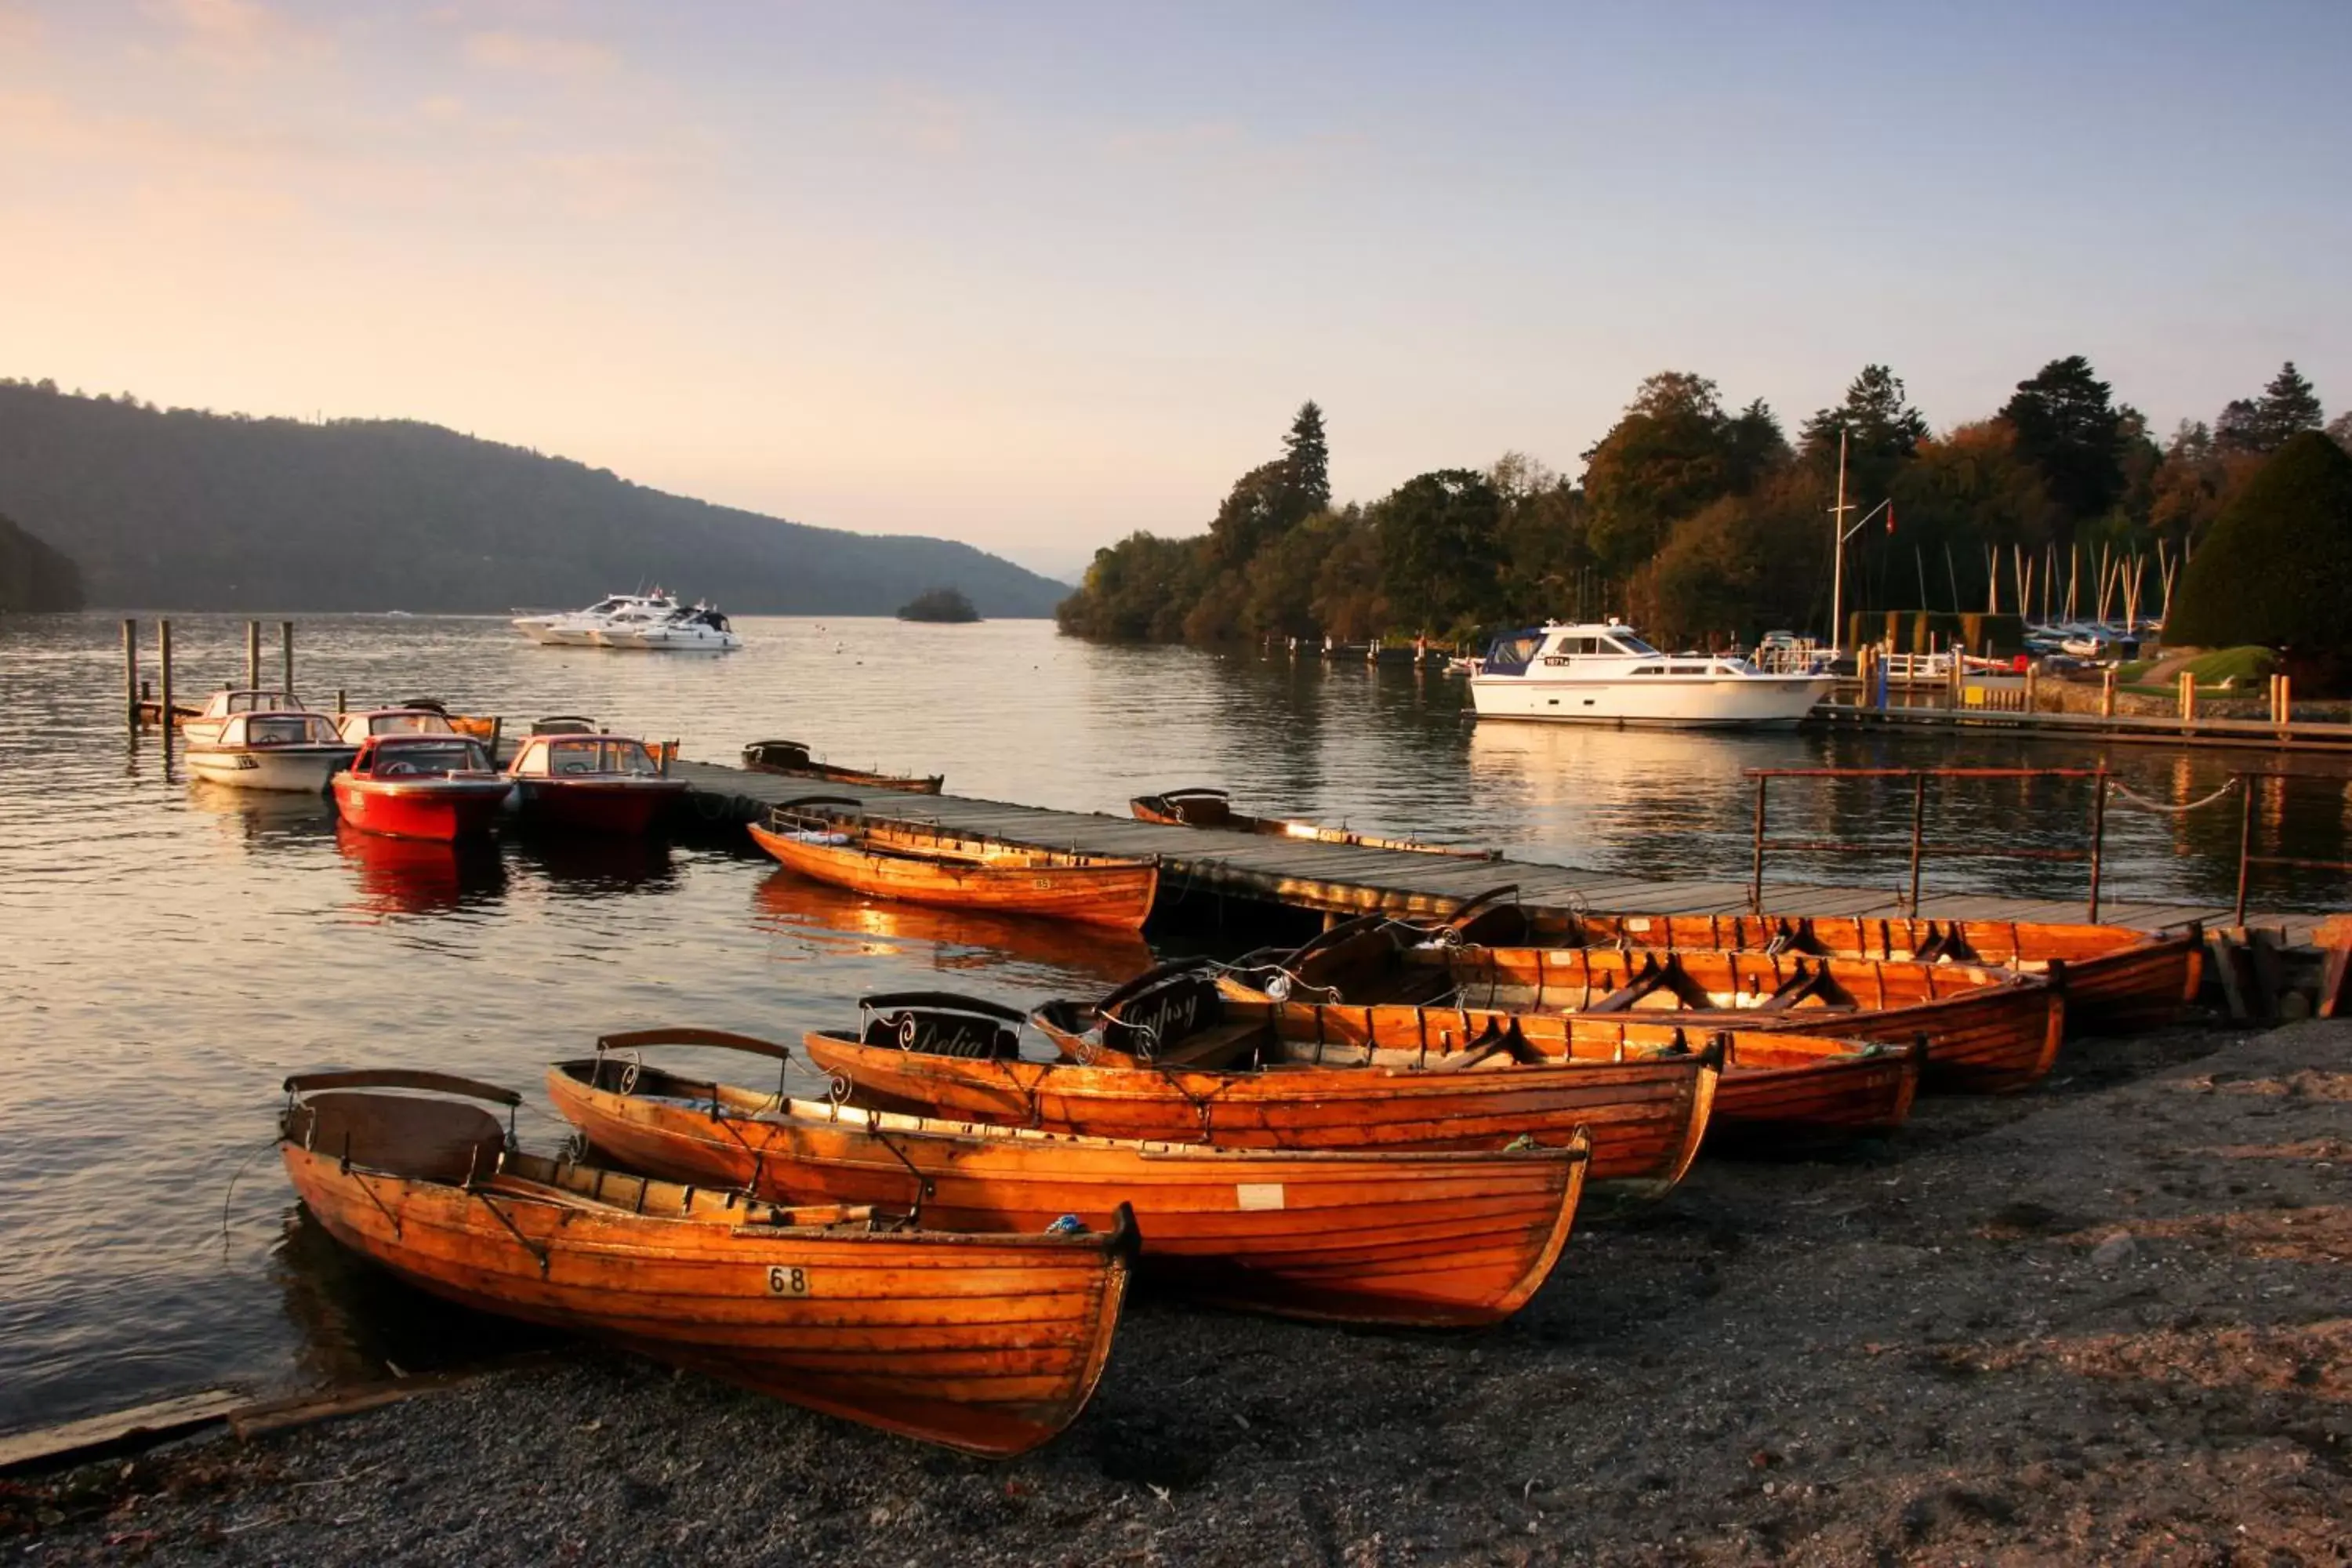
point(1603, 673)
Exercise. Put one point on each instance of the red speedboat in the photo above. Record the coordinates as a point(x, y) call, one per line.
point(593, 783)
point(421, 786)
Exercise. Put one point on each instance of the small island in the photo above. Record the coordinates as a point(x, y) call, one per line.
point(944, 605)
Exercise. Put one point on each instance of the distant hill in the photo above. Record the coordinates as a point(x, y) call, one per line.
point(186, 509)
point(33, 574)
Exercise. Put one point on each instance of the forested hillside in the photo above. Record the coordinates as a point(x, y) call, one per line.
point(1705, 521)
point(33, 576)
point(195, 511)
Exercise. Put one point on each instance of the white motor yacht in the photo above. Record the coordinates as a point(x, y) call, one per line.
point(699, 630)
point(1603, 673)
point(578, 628)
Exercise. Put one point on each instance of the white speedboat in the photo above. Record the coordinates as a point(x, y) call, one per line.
point(223, 705)
point(1602, 673)
point(626, 628)
point(578, 628)
point(293, 752)
point(699, 630)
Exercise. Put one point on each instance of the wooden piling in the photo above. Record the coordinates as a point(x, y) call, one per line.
point(2188, 696)
point(252, 654)
point(2107, 693)
point(164, 676)
point(130, 672)
point(286, 651)
point(342, 699)
point(2032, 679)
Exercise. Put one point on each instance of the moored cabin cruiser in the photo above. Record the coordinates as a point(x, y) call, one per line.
point(223, 705)
point(1602, 673)
point(421, 786)
point(601, 784)
point(699, 630)
point(297, 753)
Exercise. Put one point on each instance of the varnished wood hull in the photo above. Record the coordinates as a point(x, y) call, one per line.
point(1775, 1085)
point(1415, 1240)
point(2118, 980)
point(1989, 1035)
point(1117, 894)
point(989, 1345)
point(1217, 816)
point(767, 761)
point(1645, 1119)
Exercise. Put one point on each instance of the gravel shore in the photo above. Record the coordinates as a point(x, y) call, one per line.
point(2108, 1321)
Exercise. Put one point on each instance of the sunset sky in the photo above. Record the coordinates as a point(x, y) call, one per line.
point(1034, 275)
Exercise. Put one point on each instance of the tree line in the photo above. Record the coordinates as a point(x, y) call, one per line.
point(1700, 522)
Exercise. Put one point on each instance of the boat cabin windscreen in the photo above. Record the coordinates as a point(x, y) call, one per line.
point(1626, 642)
point(1511, 652)
point(429, 759)
point(576, 757)
point(287, 729)
point(416, 723)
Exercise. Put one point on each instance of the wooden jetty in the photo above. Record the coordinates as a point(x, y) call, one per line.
point(2139, 729)
point(1339, 881)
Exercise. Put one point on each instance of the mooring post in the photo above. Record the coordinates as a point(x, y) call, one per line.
point(2032, 676)
point(252, 654)
point(1918, 831)
point(342, 701)
point(2187, 696)
point(1756, 877)
point(131, 673)
point(497, 725)
point(286, 651)
point(2287, 700)
point(2107, 693)
point(2098, 837)
point(164, 676)
point(2245, 841)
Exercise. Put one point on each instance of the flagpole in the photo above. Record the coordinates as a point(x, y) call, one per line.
point(1837, 548)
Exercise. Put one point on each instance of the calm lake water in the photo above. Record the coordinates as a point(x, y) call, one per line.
point(169, 951)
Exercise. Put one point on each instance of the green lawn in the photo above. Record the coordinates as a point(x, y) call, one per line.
point(2246, 665)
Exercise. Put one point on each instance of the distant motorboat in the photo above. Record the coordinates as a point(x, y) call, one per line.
point(700, 629)
point(1603, 673)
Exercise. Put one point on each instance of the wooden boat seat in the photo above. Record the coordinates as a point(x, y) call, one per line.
point(1213, 1047)
point(400, 1135)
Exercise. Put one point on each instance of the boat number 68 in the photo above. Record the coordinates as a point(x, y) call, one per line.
point(783, 1281)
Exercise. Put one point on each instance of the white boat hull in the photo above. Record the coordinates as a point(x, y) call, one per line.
point(1726, 701)
point(288, 770)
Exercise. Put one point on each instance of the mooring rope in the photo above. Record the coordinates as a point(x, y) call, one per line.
point(2145, 803)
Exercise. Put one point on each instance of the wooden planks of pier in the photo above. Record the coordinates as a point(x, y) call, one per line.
point(1345, 879)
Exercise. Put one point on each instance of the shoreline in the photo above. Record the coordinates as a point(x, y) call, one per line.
point(2104, 1319)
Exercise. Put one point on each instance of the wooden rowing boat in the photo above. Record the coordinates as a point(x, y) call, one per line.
point(934, 1052)
point(1987, 1029)
point(791, 759)
point(829, 838)
point(2118, 980)
point(988, 1343)
point(1776, 1085)
point(1422, 1239)
point(1203, 808)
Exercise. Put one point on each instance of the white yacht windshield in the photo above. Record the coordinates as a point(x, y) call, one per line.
point(1627, 642)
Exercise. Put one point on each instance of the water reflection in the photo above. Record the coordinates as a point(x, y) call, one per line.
point(420, 876)
point(355, 1322)
point(946, 940)
point(262, 819)
point(595, 863)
